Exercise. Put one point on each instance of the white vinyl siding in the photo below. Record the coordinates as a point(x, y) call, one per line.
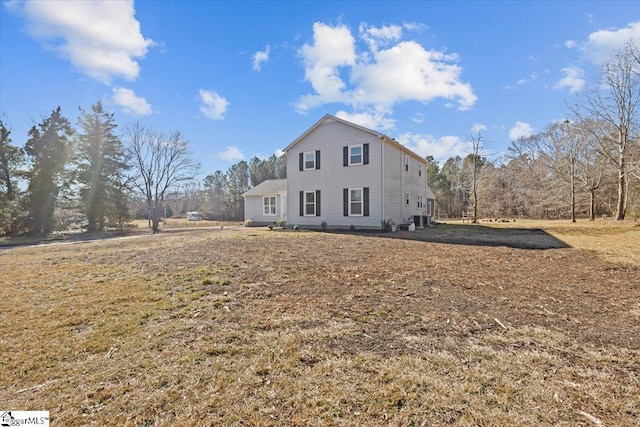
point(331, 139)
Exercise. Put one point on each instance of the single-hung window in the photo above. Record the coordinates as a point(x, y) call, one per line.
point(419, 201)
point(406, 163)
point(310, 203)
point(355, 201)
point(309, 160)
point(419, 169)
point(355, 155)
point(269, 205)
point(407, 200)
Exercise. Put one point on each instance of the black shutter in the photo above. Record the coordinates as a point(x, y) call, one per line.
point(345, 202)
point(345, 156)
point(365, 200)
point(317, 202)
point(317, 159)
point(301, 161)
point(301, 203)
point(365, 154)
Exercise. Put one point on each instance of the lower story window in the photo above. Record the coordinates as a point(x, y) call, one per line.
point(355, 201)
point(269, 205)
point(310, 203)
point(419, 201)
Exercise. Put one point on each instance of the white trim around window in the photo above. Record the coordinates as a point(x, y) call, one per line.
point(420, 203)
point(356, 202)
point(269, 207)
point(356, 155)
point(407, 199)
point(309, 203)
point(406, 163)
point(309, 159)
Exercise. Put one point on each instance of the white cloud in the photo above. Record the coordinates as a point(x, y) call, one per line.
point(102, 39)
point(386, 72)
point(231, 154)
point(333, 47)
point(260, 57)
point(601, 44)
point(570, 44)
point(478, 127)
point(213, 105)
point(279, 152)
point(130, 103)
point(418, 118)
point(573, 79)
point(520, 130)
point(375, 120)
point(441, 148)
point(377, 37)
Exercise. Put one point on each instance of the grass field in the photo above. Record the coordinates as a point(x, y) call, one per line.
point(526, 323)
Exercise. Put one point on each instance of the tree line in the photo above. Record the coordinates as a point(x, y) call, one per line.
point(587, 164)
point(92, 176)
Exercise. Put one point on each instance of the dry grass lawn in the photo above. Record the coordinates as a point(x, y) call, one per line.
point(467, 325)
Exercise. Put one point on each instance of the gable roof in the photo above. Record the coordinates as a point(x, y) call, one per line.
point(329, 118)
point(270, 186)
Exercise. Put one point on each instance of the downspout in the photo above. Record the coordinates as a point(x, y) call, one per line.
point(382, 179)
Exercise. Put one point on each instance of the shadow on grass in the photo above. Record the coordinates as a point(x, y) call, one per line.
point(472, 235)
point(32, 240)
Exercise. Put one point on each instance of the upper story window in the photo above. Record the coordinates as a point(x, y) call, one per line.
point(269, 205)
point(420, 203)
point(419, 169)
point(309, 160)
point(406, 163)
point(354, 155)
point(407, 199)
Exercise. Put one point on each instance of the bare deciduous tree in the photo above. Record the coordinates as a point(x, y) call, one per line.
point(614, 102)
point(474, 162)
point(160, 161)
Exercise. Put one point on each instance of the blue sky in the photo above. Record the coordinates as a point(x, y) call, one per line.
point(244, 79)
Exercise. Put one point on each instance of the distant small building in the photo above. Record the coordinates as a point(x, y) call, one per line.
point(194, 216)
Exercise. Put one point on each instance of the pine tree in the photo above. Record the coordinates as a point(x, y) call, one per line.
point(101, 166)
point(48, 149)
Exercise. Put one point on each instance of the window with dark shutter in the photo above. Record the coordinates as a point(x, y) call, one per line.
point(301, 162)
point(365, 193)
point(301, 203)
point(317, 202)
point(317, 159)
point(345, 202)
point(365, 154)
point(345, 156)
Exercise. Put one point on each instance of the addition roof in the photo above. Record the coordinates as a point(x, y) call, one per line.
point(268, 187)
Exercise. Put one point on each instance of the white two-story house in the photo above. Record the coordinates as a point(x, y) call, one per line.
point(345, 175)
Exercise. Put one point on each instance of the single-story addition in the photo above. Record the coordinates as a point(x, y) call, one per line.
point(345, 175)
point(266, 203)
